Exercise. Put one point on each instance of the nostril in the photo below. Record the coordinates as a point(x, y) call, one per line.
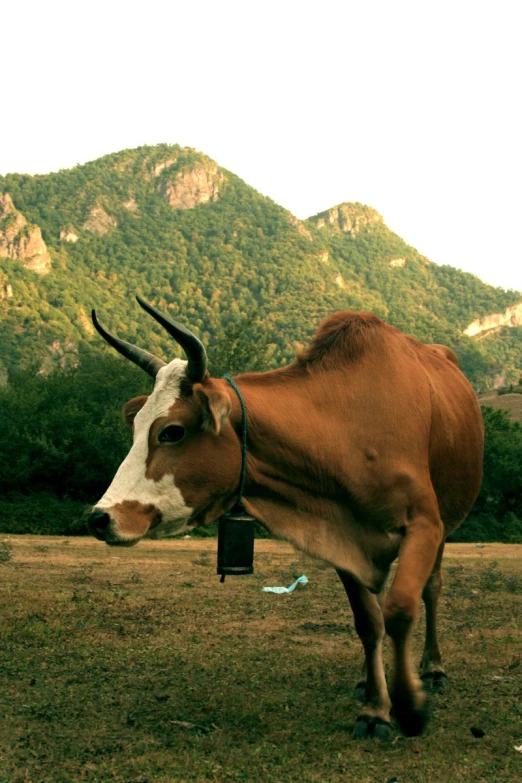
point(98, 522)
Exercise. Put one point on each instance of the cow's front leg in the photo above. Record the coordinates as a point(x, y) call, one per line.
point(374, 718)
point(417, 556)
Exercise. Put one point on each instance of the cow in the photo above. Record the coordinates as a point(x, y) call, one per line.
point(367, 448)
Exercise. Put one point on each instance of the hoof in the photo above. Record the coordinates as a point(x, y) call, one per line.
point(367, 726)
point(434, 681)
point(360, 691)
point(412, 720)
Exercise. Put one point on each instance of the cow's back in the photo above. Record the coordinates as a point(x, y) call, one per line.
point(412, 398)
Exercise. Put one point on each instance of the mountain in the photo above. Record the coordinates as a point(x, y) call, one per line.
point(170, 224)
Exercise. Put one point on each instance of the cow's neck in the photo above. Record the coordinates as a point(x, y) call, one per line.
point(292, 487)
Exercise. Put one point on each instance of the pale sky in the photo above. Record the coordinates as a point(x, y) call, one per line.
point(413, 108)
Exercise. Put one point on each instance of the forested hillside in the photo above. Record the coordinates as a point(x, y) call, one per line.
point(192, 238)
point(251, 279)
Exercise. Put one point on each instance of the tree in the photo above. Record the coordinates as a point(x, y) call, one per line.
point(497, 514)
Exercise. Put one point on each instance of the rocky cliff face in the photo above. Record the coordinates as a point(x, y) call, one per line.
point(512, 316)
point(157, 168)
point(348, 218)
point(6, 289)
point(298, 224)
point(61, 353)
point(99, 222)
point(68, 235)
point(21, 241)
point(190, 187)
point(85, 322)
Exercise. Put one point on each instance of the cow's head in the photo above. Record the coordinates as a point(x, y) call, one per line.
point(184, 464)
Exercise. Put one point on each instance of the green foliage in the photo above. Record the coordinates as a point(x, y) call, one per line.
point(483, 526)
point(502, 485)
point(214, 265)
point(245, 275)
point(242, 347)
point(63, 433)
point(42, 513)
point(512, 529)
point(497, 514)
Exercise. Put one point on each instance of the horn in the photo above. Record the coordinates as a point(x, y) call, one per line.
point(147, 361)
point(193, 347)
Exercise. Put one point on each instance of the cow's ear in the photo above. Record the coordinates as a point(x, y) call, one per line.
point(215, 406)
point(131, 408)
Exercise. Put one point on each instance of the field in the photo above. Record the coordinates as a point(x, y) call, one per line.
point(138, 666)
point(512, 403)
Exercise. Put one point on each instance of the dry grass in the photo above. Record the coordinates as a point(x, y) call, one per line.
point(137, 666)
point(512, 403)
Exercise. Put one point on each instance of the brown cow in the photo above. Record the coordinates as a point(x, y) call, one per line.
point(366, 448)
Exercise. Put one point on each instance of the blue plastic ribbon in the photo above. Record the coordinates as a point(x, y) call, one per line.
point(303, 580)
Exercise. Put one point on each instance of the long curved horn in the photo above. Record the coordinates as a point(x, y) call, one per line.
point(147, 361)
point(193, 347)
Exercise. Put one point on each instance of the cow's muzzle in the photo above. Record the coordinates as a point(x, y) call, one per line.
point(98, 523)
point(123, 524)
point(101, 525)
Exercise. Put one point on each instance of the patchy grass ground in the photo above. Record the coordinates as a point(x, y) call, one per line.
point(512, 403)
point(137, 666)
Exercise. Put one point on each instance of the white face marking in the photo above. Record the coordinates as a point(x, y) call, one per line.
point(130, 481)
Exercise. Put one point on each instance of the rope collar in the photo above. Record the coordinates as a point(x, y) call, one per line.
point(244, 434)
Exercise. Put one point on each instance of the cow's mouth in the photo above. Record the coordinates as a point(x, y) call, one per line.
point(121, 542)
point(199, 517)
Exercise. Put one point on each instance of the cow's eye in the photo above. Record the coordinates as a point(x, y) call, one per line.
point(172, 434)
